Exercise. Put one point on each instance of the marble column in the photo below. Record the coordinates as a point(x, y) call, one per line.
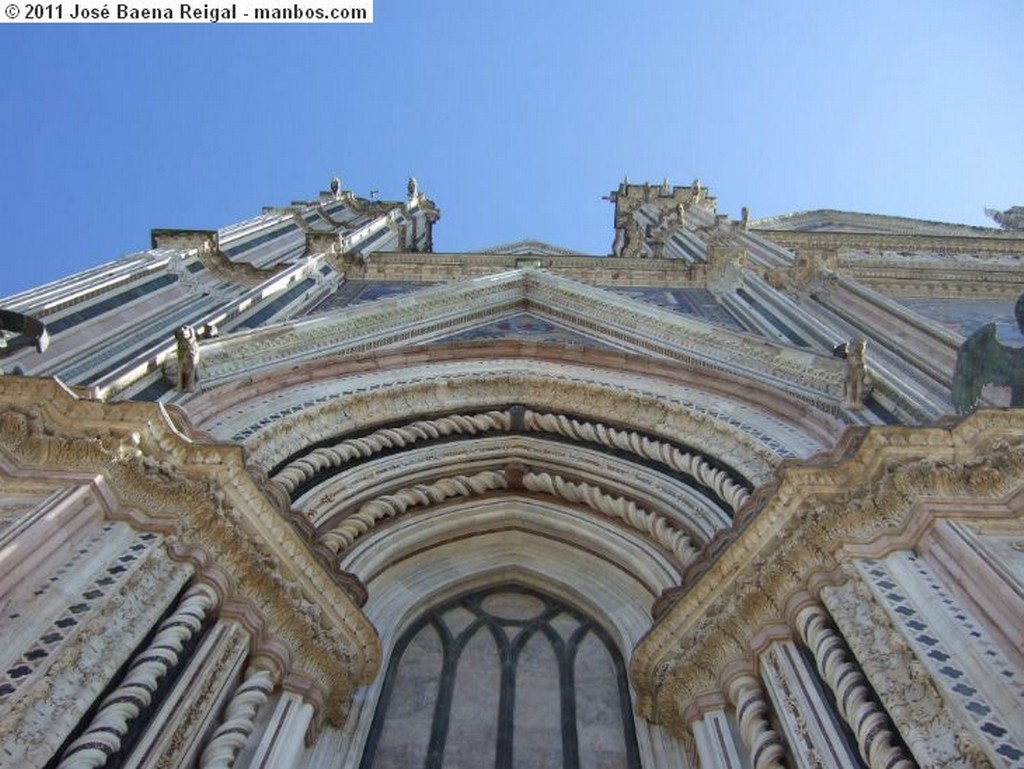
point(103, 737)
point(804, 714)
point(239, 720)
point(935, 737)
point(283, 738)
point(876, 741)
point(716, 744)
point(764, 744)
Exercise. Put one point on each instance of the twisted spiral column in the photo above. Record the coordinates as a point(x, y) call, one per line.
point(103, 737)
point(764, 744)
point(239, 721)
point(875, 740)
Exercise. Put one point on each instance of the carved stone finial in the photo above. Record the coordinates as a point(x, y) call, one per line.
point(335, 186)
point(412, 188)
point(744, 217)
point(695, 190)
point(1010, 219)
point(188, 358)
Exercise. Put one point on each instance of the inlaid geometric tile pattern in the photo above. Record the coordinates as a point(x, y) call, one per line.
point(78, 608)
point(939, 656)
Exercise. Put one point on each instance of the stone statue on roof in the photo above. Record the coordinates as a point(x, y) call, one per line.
point(188, 358)
point(1010, 219)
point(983, 360)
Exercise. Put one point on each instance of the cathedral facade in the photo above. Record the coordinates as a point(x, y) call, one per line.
point(305, 492)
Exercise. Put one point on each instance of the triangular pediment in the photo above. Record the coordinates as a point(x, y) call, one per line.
point(527, 326)
point(574, 311)
point(530, 247)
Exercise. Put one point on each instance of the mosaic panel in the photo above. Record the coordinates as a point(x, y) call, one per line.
point(941, 658)
point(965, 316)
point(354, 292)
point(695, 302)
point(525, 325)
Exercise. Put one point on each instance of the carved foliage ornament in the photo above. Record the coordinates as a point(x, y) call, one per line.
point(795, 534)
point(216, 514)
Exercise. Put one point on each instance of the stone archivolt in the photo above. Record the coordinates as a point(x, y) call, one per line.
point(215, 516)
point(875, 493)
point(306, 467)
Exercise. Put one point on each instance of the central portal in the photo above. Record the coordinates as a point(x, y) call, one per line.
point(504, 677)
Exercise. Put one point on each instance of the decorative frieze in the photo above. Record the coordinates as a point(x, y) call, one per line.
point(952, 665)
point(76, 671)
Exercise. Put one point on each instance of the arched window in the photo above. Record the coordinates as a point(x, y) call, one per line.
point(504, 677)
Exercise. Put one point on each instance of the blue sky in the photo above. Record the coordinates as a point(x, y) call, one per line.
point(516, 117)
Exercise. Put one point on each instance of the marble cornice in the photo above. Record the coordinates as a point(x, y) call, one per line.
point(876, 492)
point(996, 243)
point(213, 513)
point(935, 278)
point(604, 270)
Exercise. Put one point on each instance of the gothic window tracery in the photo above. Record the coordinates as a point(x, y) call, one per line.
point(504, 677)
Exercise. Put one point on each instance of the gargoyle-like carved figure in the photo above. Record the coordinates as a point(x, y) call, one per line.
point(17, 330)
point(335, 185)
point(984, 360)
point(188, 358)
point(1010, 219)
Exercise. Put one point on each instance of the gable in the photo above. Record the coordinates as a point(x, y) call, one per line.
point(439, 312)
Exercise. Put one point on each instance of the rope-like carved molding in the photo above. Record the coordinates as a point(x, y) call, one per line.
point(765, 745)
point(306, 467)
point(627, 511)
point(374, 511)
point(103, 736)
point(684, 462)
point(239, 719)
point(875, 739)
